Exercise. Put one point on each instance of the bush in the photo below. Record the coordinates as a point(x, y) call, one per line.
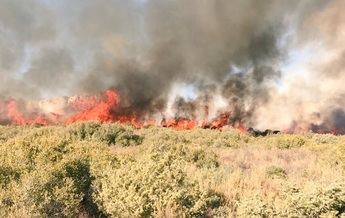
point(254, 207)
point(144, 186)
point(296, 202)
point(62, 190)
point(289, 141)
point(111, 134)
point(324, 138)
point(201, 158)
point(275, 172)
point(6, 175)
point(316, 202)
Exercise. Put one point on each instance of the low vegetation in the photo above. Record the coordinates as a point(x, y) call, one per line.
point(109, 170)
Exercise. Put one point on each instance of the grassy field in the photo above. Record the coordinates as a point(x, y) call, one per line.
point(109, 170)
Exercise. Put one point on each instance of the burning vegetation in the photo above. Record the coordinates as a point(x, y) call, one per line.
point(107, 108)
point(242, 63)
point(94, 95)
point(104, 108)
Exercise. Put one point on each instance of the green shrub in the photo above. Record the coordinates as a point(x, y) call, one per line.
point(275, 172)
point(324, 138)
point(254, 207)
point(296, 202)
point(6, 175)
point(111, 134)
point(224, 142)
point(141, 187)
point(63, 191)
point(316, 202)
point(201, 158)
point(289, 141)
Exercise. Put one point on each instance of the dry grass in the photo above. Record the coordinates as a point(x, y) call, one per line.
point(246, 173)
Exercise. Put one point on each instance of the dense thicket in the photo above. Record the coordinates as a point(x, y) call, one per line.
point(109, 170)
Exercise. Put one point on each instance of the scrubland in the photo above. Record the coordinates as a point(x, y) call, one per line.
point(109, 170)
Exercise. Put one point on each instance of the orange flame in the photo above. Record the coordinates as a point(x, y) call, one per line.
point(96, 110)
point(180, 123)
point(18, 117)
point(103, 109)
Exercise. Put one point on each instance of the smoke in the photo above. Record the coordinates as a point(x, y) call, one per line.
point(234, 50)
point(196, 42)
point(313, 93)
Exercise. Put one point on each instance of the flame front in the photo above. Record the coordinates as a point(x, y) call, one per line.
point(102, 109)
point(107, 108)
point(93, 109)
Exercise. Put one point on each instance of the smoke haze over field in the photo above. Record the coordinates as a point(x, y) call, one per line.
point(238, 55)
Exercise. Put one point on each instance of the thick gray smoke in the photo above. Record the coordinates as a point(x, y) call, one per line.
point(312, 96)
point(234, 49)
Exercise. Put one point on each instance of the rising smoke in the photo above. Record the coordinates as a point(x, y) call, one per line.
point(229, 49)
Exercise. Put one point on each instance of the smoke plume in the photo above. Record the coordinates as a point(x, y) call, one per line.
point(238, 56)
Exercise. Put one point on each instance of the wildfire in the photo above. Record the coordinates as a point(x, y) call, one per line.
point(92, 109)
point(107, 108)
point(17, 117)
point(179, 123)
point(103, 109)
